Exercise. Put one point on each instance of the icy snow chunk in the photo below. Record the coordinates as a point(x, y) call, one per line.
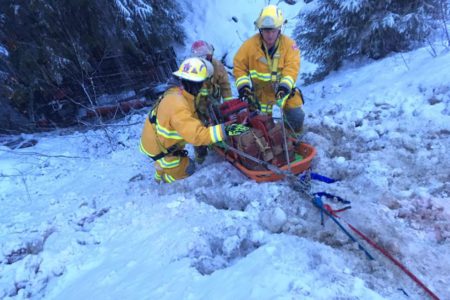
point(327, 121)
point(357, 116)
point(368, 135)
point(258, 236)
point(422, 192)
point(405, 194)
point(340, 160)
point(230, 244)
point(175, 204)
point(273, 219)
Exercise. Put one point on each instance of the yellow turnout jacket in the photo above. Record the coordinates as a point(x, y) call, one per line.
point(253, 68)
point(174, 121)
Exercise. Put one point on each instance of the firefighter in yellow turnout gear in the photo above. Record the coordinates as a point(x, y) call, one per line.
point(173, 122)
point(266, 67)
point(214, 91)
point(219, 85)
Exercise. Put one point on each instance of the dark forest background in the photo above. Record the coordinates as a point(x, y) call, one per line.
point(59, 58)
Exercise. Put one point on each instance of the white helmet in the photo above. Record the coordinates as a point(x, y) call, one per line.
point(209, 67)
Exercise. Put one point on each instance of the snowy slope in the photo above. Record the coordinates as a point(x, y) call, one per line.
point(82, 218)
point(226, 24)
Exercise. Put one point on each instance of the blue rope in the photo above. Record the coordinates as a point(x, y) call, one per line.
point(322, 178)
point(316, 176)
point(331, 196)
point(317, 201)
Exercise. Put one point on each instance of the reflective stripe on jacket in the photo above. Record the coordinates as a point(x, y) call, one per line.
point(251, 67)
point(177, 122)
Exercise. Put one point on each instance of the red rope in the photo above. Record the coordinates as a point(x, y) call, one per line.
point(396, 262)
point(334, 212)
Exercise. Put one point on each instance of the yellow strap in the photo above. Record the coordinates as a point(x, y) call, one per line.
point(273, 64)
point(274, 71)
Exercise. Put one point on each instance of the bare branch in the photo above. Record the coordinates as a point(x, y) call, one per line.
point(24, 181)
point(404, 61)
point(43, 155)
point(432, 50)
point(444, 21)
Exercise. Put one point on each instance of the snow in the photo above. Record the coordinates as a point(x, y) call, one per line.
point(135, 8)
point(3, 50)
point(228, 25)
point(81, 217)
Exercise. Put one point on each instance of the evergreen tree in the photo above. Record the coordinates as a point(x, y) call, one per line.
point(150, 24)
point(331, 31)
point(5, 73)
point(64, 43)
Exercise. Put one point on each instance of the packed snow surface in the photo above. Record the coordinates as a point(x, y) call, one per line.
point(82, 218)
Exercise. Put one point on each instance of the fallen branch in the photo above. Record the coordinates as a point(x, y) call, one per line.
point(44, 155)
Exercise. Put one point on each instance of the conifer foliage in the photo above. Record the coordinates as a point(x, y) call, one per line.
point(331, 31)
point(66, 45)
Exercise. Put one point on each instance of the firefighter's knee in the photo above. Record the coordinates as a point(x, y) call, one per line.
point(185, 169)
point(295, 117)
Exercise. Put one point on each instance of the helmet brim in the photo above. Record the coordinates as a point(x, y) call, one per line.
point(186, 76)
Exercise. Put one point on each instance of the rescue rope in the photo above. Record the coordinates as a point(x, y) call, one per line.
point(302, 184)
point(317, 201)
point(332, 213)
point(395, 261)
point(285, 138)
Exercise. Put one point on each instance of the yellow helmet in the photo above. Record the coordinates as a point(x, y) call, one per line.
point(270, 17)
point(193, 69)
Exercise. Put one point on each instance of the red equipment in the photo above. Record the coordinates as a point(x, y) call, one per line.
point(265, 143)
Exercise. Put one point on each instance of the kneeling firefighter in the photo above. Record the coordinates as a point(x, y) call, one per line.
point(213, 90)
point(266, 67)
point(173, 122)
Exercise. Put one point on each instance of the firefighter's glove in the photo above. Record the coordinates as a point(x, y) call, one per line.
point(246, 94)
point(221, 144)
point(281, 96)
point(236, 129)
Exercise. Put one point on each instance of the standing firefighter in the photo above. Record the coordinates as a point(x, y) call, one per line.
point(266, 67)
point(173, 122)
point(213, 91)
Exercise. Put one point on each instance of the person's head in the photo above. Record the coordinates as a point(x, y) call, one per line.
point(193, 72)
point(202, 49)
point(269, 23)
